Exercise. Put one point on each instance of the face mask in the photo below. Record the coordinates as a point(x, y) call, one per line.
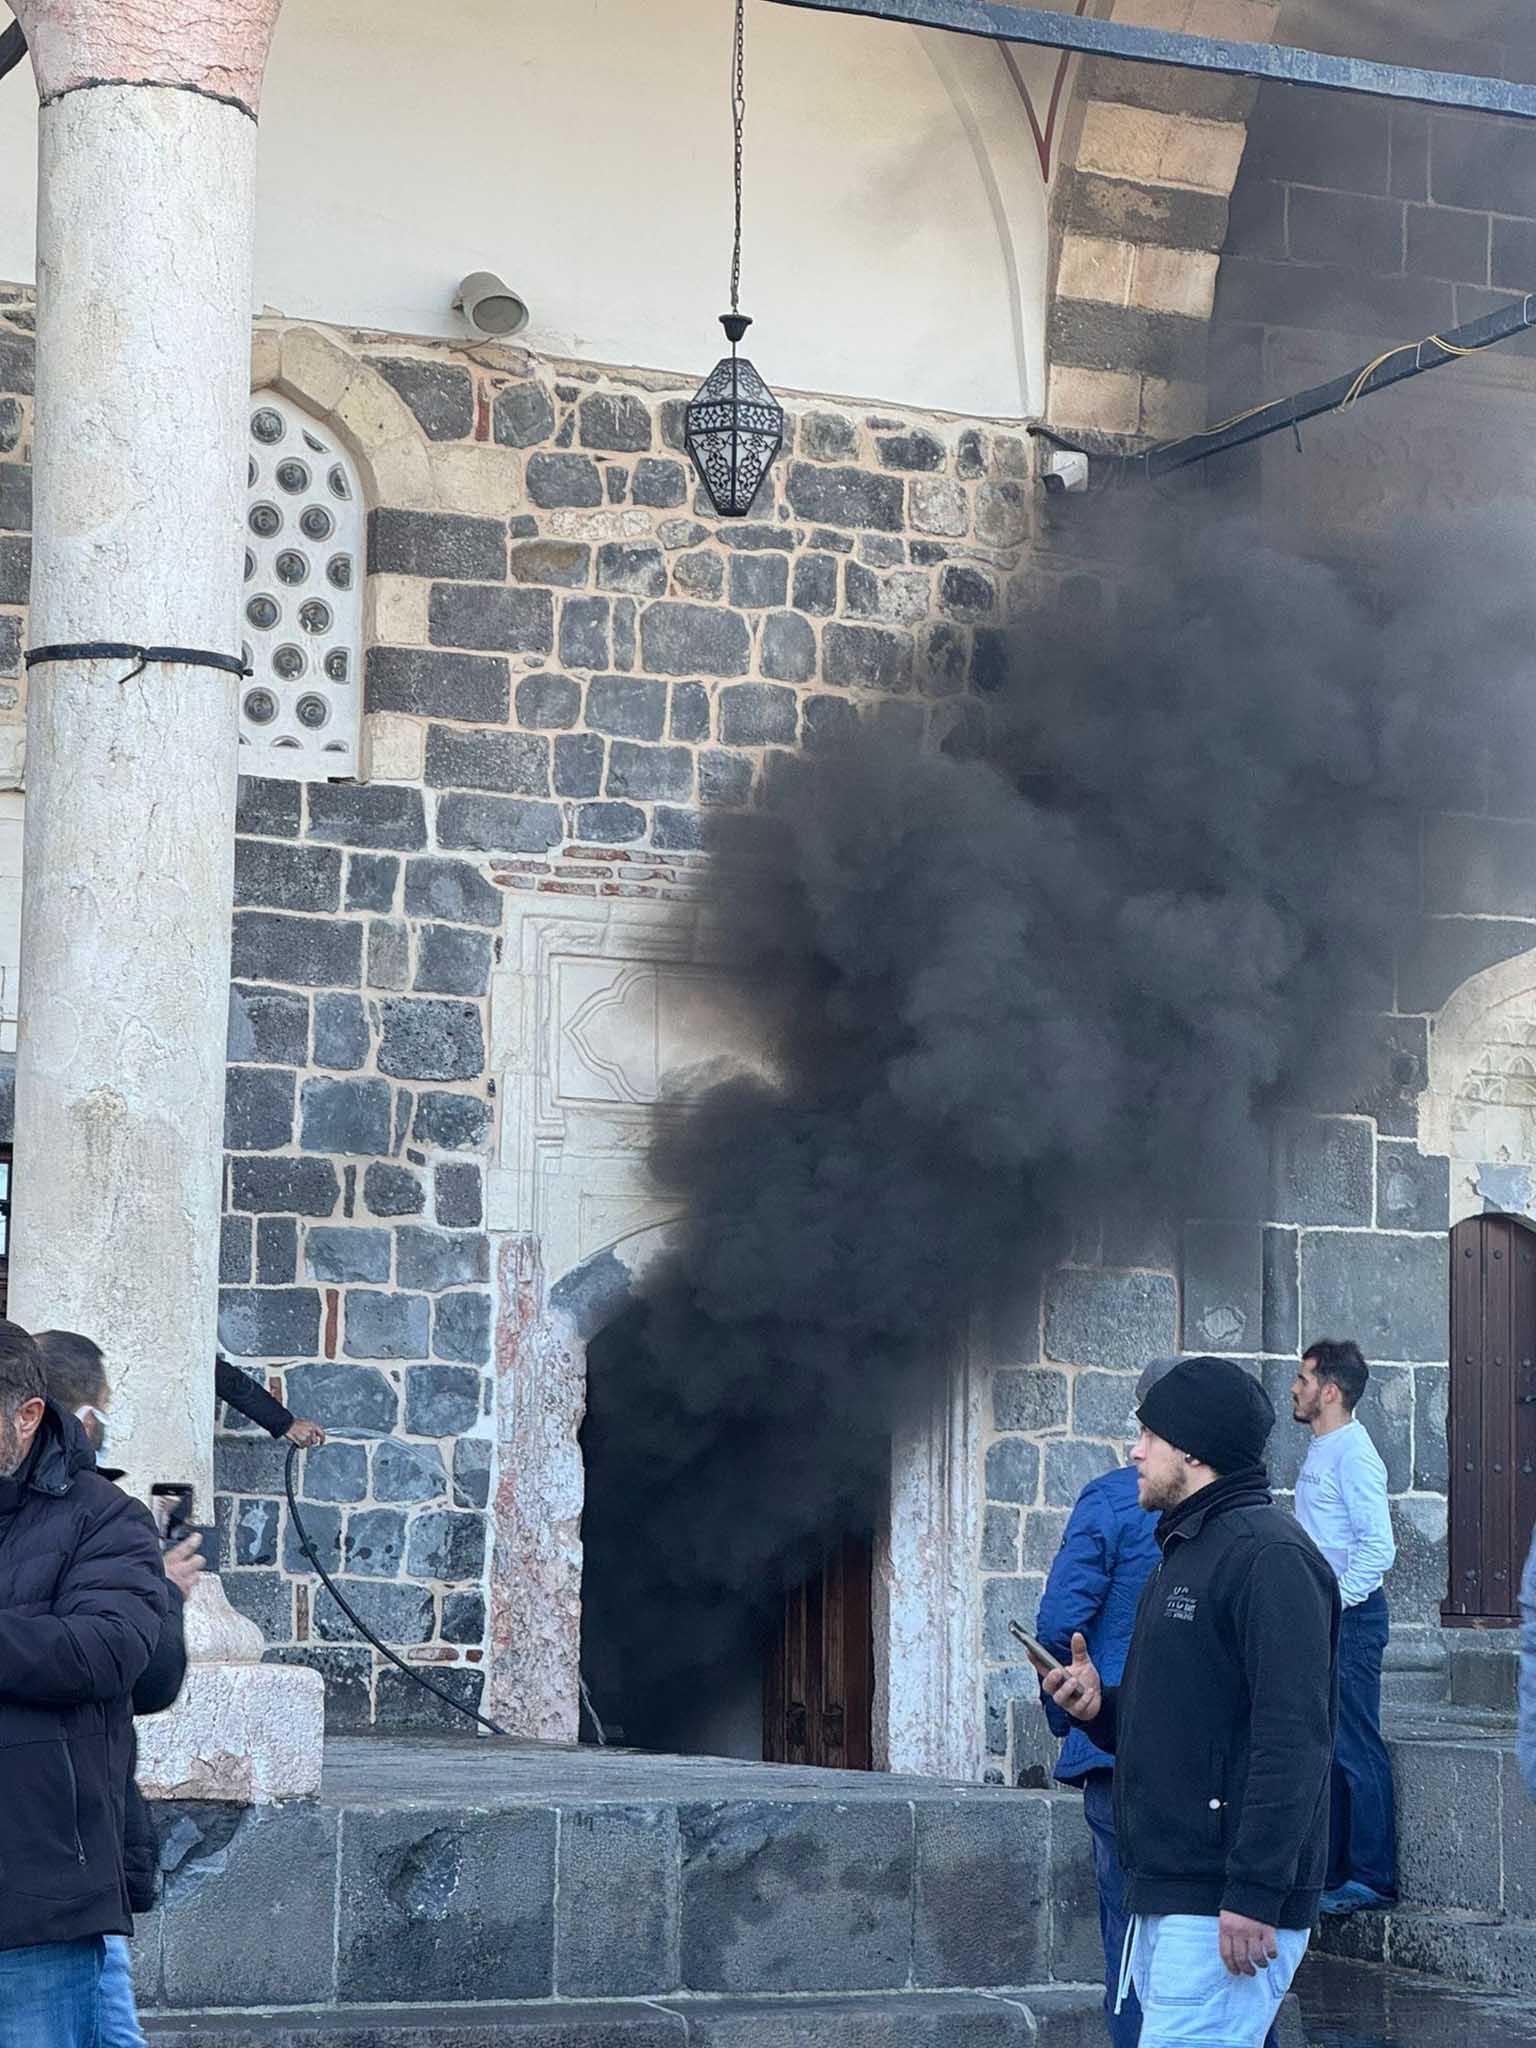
point(97, 1427)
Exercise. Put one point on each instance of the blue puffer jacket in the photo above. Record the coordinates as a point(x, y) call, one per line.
point(1108, 1553)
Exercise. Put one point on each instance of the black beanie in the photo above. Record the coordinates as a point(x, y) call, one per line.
point(1213, 1410)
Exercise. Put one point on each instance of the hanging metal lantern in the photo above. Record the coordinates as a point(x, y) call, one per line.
point(735, 428)
point(735, 425)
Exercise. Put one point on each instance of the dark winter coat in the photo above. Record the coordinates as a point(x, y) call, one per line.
point(241, 1392)
point(82, 1597)
point(156, 1690)
point(1107, 1554)
point(1222, 1727)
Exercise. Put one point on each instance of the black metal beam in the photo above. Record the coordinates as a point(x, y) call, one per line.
point(1397, 366)
point(13, 47)
point(1090, 38)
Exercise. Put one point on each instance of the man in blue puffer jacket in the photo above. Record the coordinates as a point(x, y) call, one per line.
point(1107, 1554)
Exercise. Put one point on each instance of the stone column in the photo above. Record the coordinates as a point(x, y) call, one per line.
point(145, 228)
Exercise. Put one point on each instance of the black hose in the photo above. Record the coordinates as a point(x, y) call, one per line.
point(352, 1614)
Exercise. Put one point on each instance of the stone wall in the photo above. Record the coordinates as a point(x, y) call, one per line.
point(570, 663)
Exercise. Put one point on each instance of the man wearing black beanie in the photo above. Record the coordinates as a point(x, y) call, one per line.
point(1222, 1726)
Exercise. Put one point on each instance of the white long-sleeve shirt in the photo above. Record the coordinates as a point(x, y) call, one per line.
point(1341, 1502)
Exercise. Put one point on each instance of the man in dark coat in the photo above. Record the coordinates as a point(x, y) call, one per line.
point(1222, 1726)
point(82, 1599)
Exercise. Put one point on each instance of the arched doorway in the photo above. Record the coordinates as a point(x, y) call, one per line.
point(1492, 1422)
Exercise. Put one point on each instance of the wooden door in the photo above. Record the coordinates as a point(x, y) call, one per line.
point(1492, 1424)
point(819, 1683)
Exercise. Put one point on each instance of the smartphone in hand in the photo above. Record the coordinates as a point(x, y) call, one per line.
point(1034, 1650)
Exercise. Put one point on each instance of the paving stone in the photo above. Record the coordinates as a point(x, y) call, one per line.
point(429, 684)
point(1032, 1400)
point(269, 1322)
point(618, 1901)
point(1115, 1319)
point(440, 395)
point(375, 1543)
point(445, 544)
point(471, 1471)
point(352, 1117)
point(795, 1898)
point(564, 564)
point(497, 824)
point(339, 1255)
point(1005, 1601)
point(556, 480)
point(311, 952)
point(492, 618)
point(457, 1123)
point(1013, 1470)
point(343, 1397)
point(277, 1241)
point(398, 1614)
point(522, 415)
point(280, 877)
point(1223, 1291)
point(446, 1545)
point(386, 1325)
point(426, 1039)
point(335, 1472)
point(548, 703)
point(693, 640)
point(1449, 1803)
point(409, 1472)
point(441, 1400)
point(1390, 1293)
point(258, 1108)
point(341, 1032)
point(1070, 1466)
point(1413, 1192)
point(297, 1187)
point(406, 1707)
point(281, 1862)
point(394, 1190)
point(981, 1901)
point(1323, 1171)
point(452, 962)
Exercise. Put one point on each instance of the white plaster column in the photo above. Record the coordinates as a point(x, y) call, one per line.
point(145, 224)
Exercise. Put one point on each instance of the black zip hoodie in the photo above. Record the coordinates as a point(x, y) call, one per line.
point(1222, 1727)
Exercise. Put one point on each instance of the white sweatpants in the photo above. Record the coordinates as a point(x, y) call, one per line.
point(1189, 1998)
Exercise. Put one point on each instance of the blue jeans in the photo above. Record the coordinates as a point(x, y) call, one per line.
point(48, 1995)
point(1363, 1840)
point(1189, 1998)
point(1099, 1812)
point(117, 2016)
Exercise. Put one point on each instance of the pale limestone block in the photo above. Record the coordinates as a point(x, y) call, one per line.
point(314, 369)
point(613, 522)
point(1123, 142)
point(1204, 155)
point(246, 1734)
point(1168, 14)
point(1095, 268)
point(1169, 409)
point(1175, 281)
point(938, 505)
point(400, 473)
point(475, 478)
point(1109, 400)
point(393, 749)
point(266, 356)
point(13, 755)
point(397, 610)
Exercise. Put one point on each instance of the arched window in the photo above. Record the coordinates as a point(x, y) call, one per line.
point(302, 603)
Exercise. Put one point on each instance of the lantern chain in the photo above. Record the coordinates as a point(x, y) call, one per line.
point(739, 117)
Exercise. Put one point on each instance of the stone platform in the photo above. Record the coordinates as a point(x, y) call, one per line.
point(472, 1891)
point(1467, 1856)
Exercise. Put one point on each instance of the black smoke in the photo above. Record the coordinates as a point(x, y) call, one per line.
point(1066, 978)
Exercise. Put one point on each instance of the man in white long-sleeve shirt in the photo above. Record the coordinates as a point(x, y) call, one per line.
point(1341, 1502)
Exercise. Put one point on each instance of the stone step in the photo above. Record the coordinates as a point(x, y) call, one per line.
point(1060, 2018)
point(1483, 1950)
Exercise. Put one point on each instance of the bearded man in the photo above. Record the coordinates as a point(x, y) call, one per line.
point(1222, 1726)
point(82, 1595)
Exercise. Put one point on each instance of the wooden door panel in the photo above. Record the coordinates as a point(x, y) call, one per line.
point(1491, 1428)
point(818, 1688)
